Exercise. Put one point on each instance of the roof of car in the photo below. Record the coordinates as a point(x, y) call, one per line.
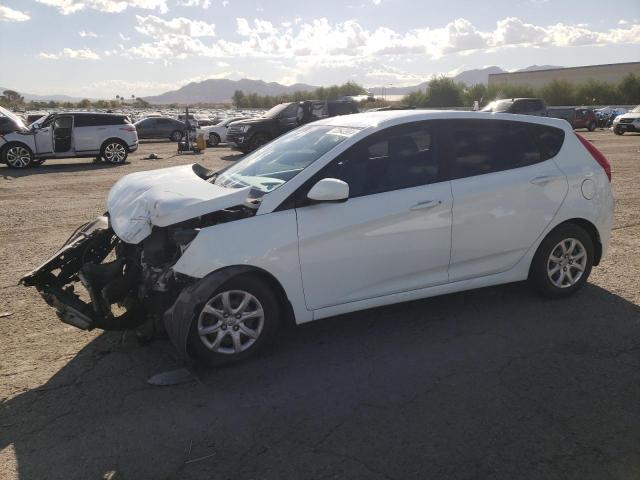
point(395, 117)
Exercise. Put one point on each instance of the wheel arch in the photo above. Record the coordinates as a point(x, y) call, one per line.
point(588, 227)
point(178, 319)
point(112, 139)
point(14, 143)
point(271, 281)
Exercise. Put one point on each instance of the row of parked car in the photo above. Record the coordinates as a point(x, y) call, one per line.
point(111, 137)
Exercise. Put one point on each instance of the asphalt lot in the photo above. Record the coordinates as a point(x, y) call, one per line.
point(495, 383)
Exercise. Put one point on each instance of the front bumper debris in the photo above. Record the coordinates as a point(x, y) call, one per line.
point(79, 263)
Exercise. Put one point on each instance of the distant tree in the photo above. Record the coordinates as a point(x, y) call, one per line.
point(628, 90)
point(141, 102)
point(477, 92)
point(558, 92)
point(444, 92)
point(84, 103)
point(238, 99)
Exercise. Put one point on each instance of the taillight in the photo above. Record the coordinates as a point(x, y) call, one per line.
point(596, 154)
point(130, 128)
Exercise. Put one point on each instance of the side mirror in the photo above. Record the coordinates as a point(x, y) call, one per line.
point(329, 190)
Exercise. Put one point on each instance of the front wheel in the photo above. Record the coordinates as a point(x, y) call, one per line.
point(18, 156)
point(214, 140)
point(114, 152)
point(257, 141)
point(592, 126)
point(563, 261)
point(618, 131)
point(235, 323)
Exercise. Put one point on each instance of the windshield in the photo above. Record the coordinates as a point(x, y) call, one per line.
point(277, 110)
point(498, 106)
point(636, 110)
point(279, 161)
point(17, 120)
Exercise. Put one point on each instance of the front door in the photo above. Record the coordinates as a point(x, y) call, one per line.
point(62, 134)
point(506, 190)
point(393, 234)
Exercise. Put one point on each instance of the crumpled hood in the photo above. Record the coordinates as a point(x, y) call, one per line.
point(164, 197)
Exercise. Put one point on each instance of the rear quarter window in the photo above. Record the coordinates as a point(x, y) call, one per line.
point(548, 139)
point(487, 146)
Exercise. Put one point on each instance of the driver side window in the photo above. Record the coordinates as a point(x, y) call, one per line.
point(396, 158)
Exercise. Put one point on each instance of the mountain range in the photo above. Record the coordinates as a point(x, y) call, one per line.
point(221, 89)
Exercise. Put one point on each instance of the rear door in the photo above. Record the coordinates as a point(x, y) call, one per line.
point(84, 132)
point(392, 235)
point(506, 190)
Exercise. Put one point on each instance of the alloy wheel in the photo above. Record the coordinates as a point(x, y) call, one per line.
point(566, 263)
point(115, 153)
point(18, 157)
point(231, 322)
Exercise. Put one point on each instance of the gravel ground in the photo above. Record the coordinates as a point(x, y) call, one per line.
point(495, 383)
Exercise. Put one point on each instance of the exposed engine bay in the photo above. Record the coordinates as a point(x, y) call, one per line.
point(96, 280)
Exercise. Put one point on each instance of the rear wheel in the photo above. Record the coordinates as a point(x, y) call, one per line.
point(18, 156)
point(592, 126)
point(563, 261)
point(176, 136)
point(236, 321)
point(114, 151)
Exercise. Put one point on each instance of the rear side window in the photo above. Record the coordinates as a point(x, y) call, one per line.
point(487, 146)
point(396, 158)
point(88, 120)
point(548, 139)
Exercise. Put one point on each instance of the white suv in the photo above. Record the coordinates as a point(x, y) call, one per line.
point(342, 214)
point(106, 136)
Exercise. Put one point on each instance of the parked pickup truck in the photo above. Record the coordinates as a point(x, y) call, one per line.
point(521, 106)
point(247, 135)
point(103, 136)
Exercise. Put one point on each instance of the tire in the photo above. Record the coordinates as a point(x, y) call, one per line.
point(220, 347)
point(176, 136)
point(17, 156)
point(573, 248)
point(213, 140)
point(257, 141)
point(618, 131)
point(114, 151)
point(592, 126)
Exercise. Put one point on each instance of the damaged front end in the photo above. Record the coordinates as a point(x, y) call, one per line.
point(101, 279)
point(80, 265)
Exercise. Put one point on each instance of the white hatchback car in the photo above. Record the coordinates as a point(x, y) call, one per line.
point(343, 214)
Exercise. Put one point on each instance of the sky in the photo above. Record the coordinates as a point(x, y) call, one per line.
point(104, 48)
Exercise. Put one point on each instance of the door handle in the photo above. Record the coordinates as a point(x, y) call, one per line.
point(543, 180)
point(426, 204)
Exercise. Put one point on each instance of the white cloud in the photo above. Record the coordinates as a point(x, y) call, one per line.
point(10, 15)
point(195, 3)
point(321, 41)
point(80, 54)
point(157, 27)
point(87, 34)
point(67, 7)
point(123, 37)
